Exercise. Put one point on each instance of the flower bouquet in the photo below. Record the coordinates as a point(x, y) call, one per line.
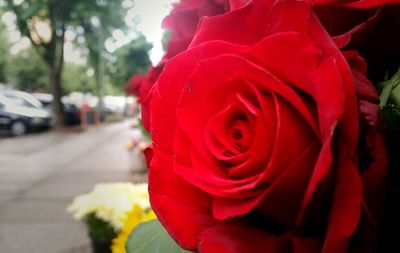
point(267, 130)
point(107, 210)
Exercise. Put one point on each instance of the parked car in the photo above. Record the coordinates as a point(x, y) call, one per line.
point(23, 99)
point(115, 104)
point(21, 119)
point(72, 112)
point(45, 99)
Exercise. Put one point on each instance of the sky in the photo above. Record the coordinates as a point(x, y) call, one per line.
point(144, 15)
point(150, 15)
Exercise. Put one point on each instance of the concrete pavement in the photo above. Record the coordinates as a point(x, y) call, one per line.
point(41, 173)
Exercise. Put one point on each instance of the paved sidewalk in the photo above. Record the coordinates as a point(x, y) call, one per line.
point(41, 173)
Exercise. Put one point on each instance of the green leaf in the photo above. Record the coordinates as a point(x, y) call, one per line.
point(396, 95)
point(99, 228)
point(391, 116)
point(152, 237)
point(388, 89)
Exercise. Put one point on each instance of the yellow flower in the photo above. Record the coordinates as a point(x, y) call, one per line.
point(137, 215)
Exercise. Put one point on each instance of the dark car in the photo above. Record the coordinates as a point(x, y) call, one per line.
point(72, 111)
point(19, 120)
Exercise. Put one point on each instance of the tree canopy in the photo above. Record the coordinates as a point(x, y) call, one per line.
point(45, 23)
point(4, 45)
point(27, 71)
point(131, 59)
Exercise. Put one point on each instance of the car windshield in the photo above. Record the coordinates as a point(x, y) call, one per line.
point(24, 101)
point(21, 102)
point(6, 102)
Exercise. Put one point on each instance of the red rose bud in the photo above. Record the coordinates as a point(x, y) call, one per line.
point(134, 84)
point(148, 154)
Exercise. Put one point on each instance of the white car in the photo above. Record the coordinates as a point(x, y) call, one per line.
point(21, 119)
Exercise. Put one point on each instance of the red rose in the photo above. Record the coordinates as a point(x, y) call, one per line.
point(185, 16)
point(182, 23)
point(134, 84)
point(145, 94)
point(371, 150)
point(255, 137)
point(140, 85)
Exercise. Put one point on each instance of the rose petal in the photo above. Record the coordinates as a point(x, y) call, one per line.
point(346, 205)
point(236, 238)
point(321, 171)
point(167, 198)
point(367, 4)
point(349, 120)
point(248, 28)
point(237, 4)
point(281, 200)
point(246, 31)
point(205, 71)
point(168, 90)
point(364, 88)
point(293, 244)
point(344, 23)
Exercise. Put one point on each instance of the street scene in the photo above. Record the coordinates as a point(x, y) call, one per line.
point(72, 142)
point(41, 173)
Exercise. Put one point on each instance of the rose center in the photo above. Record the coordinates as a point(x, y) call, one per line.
point(239, 135)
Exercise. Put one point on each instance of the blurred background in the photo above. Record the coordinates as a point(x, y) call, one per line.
point(66, 123)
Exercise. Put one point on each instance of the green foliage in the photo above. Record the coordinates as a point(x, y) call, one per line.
point(71, 13)
point(98, 228)
point(131, 59)
point(152, 237)
point(390, 102)
point(28, 72)
point(395, 96)
point(391, 116)
point(60, 15)
point(75, 79)
point(391, 90)
point(97, 19)
point(4, 54)
point(112, 89)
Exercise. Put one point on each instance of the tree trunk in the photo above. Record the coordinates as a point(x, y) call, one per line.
point(100, 75)
point(58, 108)
point(56, 63)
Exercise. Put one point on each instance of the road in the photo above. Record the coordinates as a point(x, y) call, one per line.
point(41, 173)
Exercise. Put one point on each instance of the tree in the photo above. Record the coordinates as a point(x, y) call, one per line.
point(45, 22)
point(4, 55)
point(75, 78)
point(28, 72)
point(131, 59)
point(95, 34)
